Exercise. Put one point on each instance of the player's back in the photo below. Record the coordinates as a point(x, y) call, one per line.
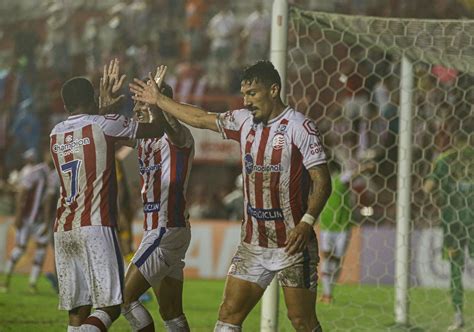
point(83, 151)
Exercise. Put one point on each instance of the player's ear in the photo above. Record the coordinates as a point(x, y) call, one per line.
point(274, 90)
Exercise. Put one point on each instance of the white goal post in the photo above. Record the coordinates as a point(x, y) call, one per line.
point(444, 43)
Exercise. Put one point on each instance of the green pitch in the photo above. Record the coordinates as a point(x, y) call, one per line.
point(357, 308)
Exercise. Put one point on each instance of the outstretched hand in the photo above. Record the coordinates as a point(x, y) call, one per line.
point(110, 84)
point(148, 92)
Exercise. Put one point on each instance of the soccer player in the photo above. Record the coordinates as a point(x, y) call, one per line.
point(88, 260)
point(29, 218)
point(281, 153)
point(452, 179)
point(335, 225)
point(165, 164)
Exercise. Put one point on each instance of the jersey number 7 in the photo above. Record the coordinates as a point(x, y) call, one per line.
point(71, 168)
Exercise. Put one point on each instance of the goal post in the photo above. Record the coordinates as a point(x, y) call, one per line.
point(396, 92)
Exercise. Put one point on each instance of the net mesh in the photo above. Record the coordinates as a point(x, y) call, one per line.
point(344, 72)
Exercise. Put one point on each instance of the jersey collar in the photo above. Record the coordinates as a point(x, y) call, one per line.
point(279, 117)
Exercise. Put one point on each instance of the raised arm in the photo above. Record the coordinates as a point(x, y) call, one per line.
point(189, 114)
point(110, 85)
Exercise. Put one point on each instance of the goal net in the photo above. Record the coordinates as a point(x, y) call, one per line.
point(345, 72)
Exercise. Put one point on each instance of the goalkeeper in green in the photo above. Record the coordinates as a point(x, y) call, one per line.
point(452, 181)
point(335, 225)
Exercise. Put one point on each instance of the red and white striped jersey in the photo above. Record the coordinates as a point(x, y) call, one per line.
point(83, 151)
point(164, 170)
point(275, 163)
point(35, 181)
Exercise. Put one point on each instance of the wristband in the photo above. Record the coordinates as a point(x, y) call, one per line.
point(309, 219)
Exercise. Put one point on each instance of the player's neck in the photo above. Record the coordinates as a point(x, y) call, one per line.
point(277, 110)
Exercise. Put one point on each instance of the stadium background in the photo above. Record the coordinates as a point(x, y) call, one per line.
point(42, 43)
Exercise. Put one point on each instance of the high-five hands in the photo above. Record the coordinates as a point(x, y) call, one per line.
point(110, 84)
point(148, 92)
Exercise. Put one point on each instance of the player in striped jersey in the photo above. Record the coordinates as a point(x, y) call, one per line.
point(29, 218)
point(88, 259)
point(164, 165)
point(281, 153)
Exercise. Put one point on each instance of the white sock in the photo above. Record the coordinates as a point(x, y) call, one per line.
point(73, 328)
point(226, 327)
point(16, 254)
point(136, 314)
point(179, 324)
point(326, 277)
point(37, 265)
point(96, 322)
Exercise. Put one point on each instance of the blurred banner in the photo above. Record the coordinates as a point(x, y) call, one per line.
point(369, 258)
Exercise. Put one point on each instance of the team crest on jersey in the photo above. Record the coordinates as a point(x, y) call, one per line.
point(278, 141)
point(281, 128)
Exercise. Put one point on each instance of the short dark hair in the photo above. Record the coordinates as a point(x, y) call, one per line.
point(167, 90)
point(262, 72)
point(77, 92)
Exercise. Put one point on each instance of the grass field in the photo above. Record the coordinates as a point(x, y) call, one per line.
point(357, 308)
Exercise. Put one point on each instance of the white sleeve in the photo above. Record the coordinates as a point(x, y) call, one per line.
point(118, 126)
point(230, 123)
point(308, 140)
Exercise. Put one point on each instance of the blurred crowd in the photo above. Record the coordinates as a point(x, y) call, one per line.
point(205, 44)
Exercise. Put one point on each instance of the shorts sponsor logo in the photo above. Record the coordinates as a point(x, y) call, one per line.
point(278, 141)
point(265, 214)
point(71, 145)
point(151, 207)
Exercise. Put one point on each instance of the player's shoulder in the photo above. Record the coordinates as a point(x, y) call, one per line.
point(298, 121)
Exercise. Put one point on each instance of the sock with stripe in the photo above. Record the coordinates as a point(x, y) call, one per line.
point(37, 265)
point(179, 324)
point(98, 321)
point(138, 317)
point(226, 327)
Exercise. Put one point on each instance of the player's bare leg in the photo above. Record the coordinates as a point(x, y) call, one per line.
point(78, 315)
point(136, 314)
point(301, 307)
point(170, 299)
point(240, 297)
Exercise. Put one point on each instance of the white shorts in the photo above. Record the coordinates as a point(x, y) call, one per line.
point(89, 267)
point(335, 242)
point(40, 230)
point(260, 265)
point(161, 253)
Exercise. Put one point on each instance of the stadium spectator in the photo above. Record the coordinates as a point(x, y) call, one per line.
point(281, 152)
point(255, 35)
point(83, 149)
point(452, 182)
point(29, 220)
point(165, 164)
point(222, 31)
